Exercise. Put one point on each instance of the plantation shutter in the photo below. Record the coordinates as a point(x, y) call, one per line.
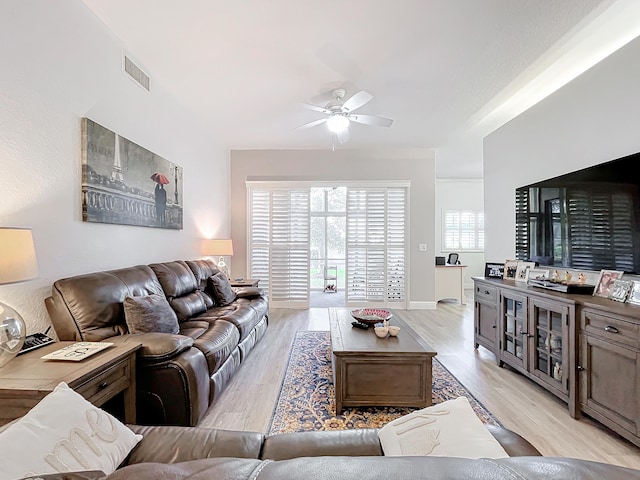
point(376, 245)
point(523, 231)
point(601, 228)
point(279, 244)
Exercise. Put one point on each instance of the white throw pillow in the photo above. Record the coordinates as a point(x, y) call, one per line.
point(449, 429)
point(64, 433)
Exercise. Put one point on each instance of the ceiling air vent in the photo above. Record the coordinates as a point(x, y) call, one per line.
point(136, 74)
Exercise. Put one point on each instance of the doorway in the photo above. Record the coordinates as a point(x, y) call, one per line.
point(328, 234)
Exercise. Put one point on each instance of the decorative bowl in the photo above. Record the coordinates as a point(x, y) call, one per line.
point(371, 315)
point(394, 330)
point(381, 331)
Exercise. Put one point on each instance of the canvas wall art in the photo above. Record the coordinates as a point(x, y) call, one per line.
point(126, 184)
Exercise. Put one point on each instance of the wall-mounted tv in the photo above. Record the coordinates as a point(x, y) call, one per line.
point(584, 220)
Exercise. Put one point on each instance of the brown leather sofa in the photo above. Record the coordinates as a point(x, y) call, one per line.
point(178, 376)
point(207, 454)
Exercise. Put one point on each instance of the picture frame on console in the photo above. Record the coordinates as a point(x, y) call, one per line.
point(634, 294)
point(620, 290)
point(605, 282)
point(510, 269)
point(522, 270)
point(539, 274)
point(494, 270)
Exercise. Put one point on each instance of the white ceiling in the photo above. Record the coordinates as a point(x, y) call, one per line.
point(444, 70)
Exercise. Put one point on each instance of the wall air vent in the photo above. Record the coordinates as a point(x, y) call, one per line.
point(136, 74)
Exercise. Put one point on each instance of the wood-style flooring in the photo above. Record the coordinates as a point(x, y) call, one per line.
point(522, 406)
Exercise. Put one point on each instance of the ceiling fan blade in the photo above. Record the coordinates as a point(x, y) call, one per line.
point(371, 120)
point(343, 136)
point(311, 124)
point(356, 101)
point(315, 108)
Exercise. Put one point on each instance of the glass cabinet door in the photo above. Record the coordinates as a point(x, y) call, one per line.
point(549, 354)
point(513, 328)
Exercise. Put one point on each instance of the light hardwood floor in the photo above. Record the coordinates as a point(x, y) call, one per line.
point(521, 405)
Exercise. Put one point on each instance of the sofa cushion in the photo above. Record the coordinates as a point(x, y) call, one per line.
point(219, 287)
point(202, 269)
point(217, 343)
point(150, 313)
point(176, 278)
point(64, 433)
point(189, 305)
point(244, 318)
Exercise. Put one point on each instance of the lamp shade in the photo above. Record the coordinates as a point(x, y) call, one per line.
point(17, 255)
point(218, 247)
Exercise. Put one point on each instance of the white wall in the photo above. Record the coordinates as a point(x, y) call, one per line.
point(59, 63)
point(593, 119)
point(416, 165)
point(456, 194)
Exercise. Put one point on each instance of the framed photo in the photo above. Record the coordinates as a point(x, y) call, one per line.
point(634, 294)
point(494, 270)
point(605, 282)
point(510, 267)
point(620, 290)
point(522, 270)
point(540, 274)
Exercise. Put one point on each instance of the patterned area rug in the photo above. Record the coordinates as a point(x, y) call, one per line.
point(307, 398)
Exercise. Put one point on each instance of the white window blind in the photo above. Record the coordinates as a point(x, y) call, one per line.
point(463, 230)
point(376, 245)
point(279, 244)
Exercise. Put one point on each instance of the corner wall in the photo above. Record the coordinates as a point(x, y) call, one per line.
point(593, 119)
point(60, 63)
point(416, 165)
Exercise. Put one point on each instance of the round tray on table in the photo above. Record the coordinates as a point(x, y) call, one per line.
point(371, 315)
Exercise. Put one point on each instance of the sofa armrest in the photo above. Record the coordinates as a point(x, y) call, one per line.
point(513, 444)
point(170, 444)
point(156, 347)
point(359, 442)
point(249, 292)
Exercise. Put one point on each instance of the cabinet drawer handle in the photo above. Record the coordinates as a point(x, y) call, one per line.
point(610, 329)
point(486, 292)
point(103, 385)
point(580, 368)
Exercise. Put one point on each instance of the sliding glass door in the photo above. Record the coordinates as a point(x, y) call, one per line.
point(282, 251)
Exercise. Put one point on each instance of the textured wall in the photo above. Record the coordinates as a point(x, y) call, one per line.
point(416, 165)
point(59, 63)
point(591, 120)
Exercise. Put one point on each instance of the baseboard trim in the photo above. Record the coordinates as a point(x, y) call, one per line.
point(422, 305)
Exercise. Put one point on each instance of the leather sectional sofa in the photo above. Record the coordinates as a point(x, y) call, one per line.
point(206, 454)
point(178, 375)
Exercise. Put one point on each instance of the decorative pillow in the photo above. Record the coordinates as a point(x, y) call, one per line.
point(150, 313)
point(449, 429)
point(219, 287)
point(64, 433)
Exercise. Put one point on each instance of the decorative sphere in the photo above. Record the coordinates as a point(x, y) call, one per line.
point(12, 333)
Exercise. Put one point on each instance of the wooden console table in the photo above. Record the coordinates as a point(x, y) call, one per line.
point(450, 282)
point(27, 379)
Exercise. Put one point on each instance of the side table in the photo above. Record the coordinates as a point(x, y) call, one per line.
point(27, 379)
point(245, 282)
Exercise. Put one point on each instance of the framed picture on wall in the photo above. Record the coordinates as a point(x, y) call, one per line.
point(494, 270)
point(605, 282)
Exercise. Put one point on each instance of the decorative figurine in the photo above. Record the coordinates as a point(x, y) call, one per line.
point(567, 276)
point(582, 278)
point(555, 276)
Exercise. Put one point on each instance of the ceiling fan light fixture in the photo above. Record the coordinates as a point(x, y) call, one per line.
point(337, 123)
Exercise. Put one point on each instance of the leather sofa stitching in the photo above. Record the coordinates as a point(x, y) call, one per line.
point(256, 473)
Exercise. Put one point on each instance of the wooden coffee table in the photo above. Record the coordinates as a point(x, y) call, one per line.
point(372, 371)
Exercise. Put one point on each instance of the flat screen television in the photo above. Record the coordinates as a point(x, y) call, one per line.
point(584, 220)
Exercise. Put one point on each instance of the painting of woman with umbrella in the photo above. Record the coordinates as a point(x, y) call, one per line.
point(126, 184)
point(160, 196)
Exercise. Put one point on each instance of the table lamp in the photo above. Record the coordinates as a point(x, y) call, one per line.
point(221, 248)
point(17, 264)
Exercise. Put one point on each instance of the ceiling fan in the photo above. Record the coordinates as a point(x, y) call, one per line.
point(339, 114)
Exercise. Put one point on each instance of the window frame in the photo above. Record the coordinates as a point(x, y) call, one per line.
point(477, 231)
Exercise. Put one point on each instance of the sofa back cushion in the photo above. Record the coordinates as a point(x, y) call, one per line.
point(203, 269)
point(90, 307)
point(181, 288)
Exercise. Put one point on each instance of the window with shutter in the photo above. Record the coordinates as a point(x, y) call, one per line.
point(462, 230)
